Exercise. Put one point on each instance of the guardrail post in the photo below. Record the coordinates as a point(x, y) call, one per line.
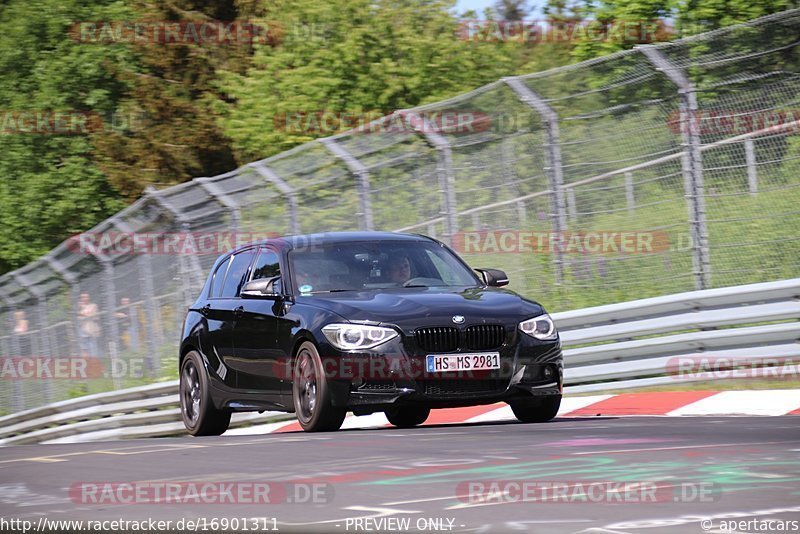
point(752, 169)
point(288, 191)
point(554, 169)
point(692, 162)
point(444, 170)
point(361, 174)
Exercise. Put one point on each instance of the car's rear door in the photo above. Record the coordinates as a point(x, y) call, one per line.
point(221, 312)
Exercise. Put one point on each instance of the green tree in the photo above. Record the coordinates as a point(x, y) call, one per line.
point(351, 56)
point(49, 186)
point(177, 136)
point(697, 16)
point(511, 9)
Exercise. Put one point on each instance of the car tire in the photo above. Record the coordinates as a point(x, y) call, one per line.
point(311, 393)
point(536, 410)
point(408, 416)
point(200, 416)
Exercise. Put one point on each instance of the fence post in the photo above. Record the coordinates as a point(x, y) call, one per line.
point(361, 174)
point(630, 196)
point(71, 280)
point(195, 270)
point(289, 192)
point(522, 214)
point(444, 170)
point(111, 326)
point(572, 209)
point(432, 230)
point(14, 350)
point(752, 169)
point(692, 162)
point(554, 169)
point(40, 347)
point(216, 191)
point(151, 313)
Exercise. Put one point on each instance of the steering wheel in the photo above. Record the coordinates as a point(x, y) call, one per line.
point(419, 281)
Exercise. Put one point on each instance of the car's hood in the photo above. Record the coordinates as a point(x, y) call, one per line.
point(411, 308)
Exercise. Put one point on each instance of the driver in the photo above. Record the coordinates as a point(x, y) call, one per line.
point(307, 278)
point(399, 269)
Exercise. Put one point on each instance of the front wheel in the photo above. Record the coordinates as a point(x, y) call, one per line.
point(311, 393)
point(408, 416)
point(537, 410)
point(200, 416)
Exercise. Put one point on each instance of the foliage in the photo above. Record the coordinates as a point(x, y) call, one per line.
point(170, 112)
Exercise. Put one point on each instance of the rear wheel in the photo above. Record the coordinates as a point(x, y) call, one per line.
point(408, 416)
point(536, 410)
point(200, 416)
point(311, 393)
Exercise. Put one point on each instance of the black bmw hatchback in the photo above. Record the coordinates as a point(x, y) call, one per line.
point(323, 324)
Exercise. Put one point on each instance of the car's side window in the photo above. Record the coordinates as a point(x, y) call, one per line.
point(237, 274)
point(267, 265)
point(219, 277)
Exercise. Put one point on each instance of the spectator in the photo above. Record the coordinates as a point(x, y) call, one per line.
point(22, 331)
point(88, 329)
point(123, 316)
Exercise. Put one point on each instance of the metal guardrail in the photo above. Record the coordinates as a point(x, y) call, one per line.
point(617, 346)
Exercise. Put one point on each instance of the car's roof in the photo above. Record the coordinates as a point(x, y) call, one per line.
point(304, 240)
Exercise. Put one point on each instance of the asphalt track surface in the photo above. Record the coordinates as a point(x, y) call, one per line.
point(706, 469)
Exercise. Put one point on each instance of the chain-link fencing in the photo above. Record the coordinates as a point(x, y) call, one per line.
point(661, 169)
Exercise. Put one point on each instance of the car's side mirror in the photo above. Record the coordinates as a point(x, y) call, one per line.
point(493, 277)
point(264, 288)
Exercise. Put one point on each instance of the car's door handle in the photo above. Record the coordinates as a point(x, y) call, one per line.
point(238, 311)
point(205, 309)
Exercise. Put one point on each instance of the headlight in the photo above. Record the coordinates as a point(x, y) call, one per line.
point(357, 336)
point(541, 327)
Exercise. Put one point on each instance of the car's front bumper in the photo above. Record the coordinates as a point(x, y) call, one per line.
point(529, 367)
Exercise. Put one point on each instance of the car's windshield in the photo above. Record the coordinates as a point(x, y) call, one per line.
point(375, 265)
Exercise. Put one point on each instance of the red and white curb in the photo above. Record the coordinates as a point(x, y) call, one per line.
point(664, 403)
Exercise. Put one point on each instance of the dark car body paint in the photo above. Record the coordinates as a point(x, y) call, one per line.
point(248, 358)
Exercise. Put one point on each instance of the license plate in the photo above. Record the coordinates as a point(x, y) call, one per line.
point(439, 363)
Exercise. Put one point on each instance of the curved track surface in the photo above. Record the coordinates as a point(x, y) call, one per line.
point(681, 474)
